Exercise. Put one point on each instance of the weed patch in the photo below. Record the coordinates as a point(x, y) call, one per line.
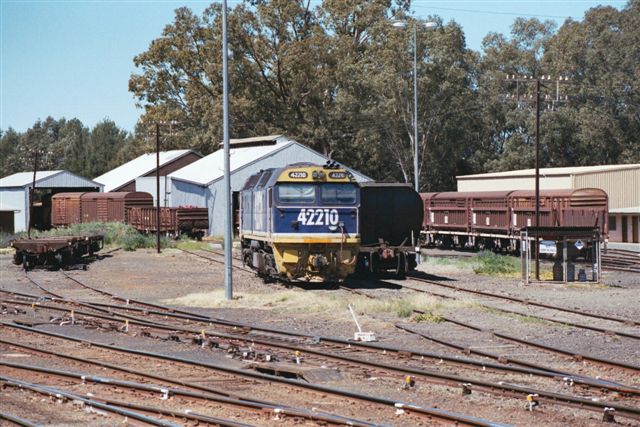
point(493, 264)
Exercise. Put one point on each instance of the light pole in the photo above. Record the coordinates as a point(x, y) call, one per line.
point(427, 25)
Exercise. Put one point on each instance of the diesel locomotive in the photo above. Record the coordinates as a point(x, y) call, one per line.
point(300, 222)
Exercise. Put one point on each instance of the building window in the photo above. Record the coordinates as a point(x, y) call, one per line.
point(612, 222)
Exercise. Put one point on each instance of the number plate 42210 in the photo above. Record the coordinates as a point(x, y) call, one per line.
point(318, 217)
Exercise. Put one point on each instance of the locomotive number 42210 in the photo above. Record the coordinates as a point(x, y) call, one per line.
point(318, 217)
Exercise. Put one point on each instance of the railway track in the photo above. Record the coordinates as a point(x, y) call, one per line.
point(473, 383)
point(621, 260)
point(368, 401)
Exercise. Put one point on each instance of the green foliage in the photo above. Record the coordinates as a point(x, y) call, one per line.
point(429, 317)
point(338, 77)
point(65, 144)
point(5, 239)
point(404, 308)
point(494, 264)
point(115, 234)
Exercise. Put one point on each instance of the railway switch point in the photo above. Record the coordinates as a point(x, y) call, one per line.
point(608, 417)
point(532, 402)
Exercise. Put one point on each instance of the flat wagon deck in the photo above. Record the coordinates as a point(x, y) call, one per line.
point(54, 251)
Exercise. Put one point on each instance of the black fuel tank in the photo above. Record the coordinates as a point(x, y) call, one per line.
point(389, 211)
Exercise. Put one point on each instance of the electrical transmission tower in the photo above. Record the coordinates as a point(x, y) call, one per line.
point(541, 82)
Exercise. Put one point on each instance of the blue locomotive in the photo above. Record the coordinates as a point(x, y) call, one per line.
point(300, 222)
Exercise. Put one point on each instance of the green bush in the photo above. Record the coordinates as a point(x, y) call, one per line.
point(493, 264)
point(115, 233)
point(5, 239)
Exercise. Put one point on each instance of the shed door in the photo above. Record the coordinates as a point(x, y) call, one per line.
point(7, 222)
point(625, 238)
point(635, 220)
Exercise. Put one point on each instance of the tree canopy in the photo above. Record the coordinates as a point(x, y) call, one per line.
point(338, 77)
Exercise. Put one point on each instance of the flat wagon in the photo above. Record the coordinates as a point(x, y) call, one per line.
point(54, 251)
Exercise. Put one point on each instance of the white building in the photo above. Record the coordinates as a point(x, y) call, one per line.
point(123, 178)
point(14, 195)
point(201, 184)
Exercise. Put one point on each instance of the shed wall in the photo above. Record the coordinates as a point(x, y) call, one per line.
point(16, 198)
point(148, 185)
point(515, 183)
point(622, 186)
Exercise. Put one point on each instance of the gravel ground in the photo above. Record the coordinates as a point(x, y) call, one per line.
point(183, 280)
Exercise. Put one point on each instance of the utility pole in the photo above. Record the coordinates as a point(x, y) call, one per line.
point(539, 85)
point(158, 123)
point(228, 242)
point(31, 190)
point(158, 186)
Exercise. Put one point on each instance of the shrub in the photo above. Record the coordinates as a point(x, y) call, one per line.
point(115, 233)
point(493, 264)
point(5, 239)
point(429, 317)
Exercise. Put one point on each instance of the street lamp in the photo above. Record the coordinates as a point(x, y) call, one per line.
point(428, 25)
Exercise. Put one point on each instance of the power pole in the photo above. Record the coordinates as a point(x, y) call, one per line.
point(158, 186)
point(537, 80)
point(158, 123)
point(228, 242)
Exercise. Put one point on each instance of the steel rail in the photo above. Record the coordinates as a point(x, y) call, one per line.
point(212, 394)
point(577, 356)
point(169, 391)
point(54, 392)
point(118, 403)
point(418, 409)
point(535, 369)
point(505, 310)
point(17, 420)
point(454, 379)
point(133, 301)
point(530, 367)
point(246, 270)
point(567, 377)
point(524, 301)
point(537, 316)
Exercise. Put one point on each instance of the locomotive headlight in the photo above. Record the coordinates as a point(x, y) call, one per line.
point(315, 174)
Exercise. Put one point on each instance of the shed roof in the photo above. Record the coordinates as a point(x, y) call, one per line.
point(211, 168)
point(564, 171)
point(55, 178)
point(137, 167)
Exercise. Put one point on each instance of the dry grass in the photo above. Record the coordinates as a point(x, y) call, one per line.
point(292, 301)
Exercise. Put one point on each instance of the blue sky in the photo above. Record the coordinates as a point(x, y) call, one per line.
point(74, 58)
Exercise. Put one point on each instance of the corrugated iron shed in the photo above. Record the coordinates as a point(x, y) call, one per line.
point(126, 173)
point(47, 179)
point(14, 193)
